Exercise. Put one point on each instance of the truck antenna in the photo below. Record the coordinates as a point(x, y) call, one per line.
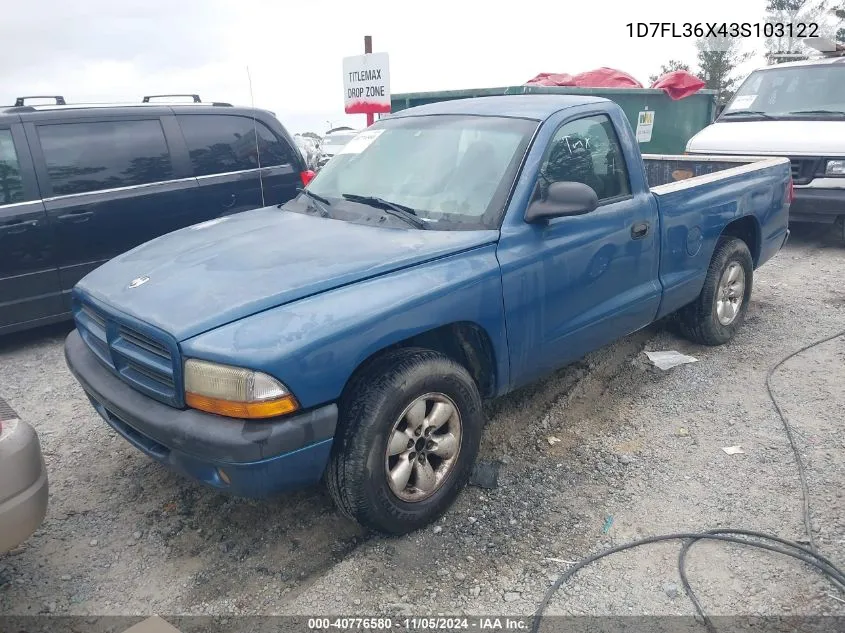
point(255, 133)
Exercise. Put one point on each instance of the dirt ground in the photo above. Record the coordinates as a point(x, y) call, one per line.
point(639, 453)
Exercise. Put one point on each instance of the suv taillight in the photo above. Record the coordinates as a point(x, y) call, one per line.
point(306, 176)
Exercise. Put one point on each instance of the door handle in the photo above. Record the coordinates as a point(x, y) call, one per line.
point(17, 227)
point(639, 230)
point(76, 217)
point(231, 202)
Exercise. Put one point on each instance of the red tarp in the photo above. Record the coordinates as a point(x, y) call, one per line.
point(677, 84)
point(599, 78)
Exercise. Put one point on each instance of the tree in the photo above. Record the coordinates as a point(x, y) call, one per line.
point(718, 58)
point(840, 16)
point(788, 47)
point(673, 64)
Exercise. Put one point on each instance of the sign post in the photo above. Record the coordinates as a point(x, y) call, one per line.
point(368, 49)
point(366, 83)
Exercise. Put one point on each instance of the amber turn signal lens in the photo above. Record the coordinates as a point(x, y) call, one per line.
point(250, 410)
point(235, 392)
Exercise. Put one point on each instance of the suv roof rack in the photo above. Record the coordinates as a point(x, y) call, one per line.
point(61, 104)
point(194, 97)
point(60, 100)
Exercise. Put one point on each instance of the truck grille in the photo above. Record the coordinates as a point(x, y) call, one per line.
point(146, 360)
point(804, 169)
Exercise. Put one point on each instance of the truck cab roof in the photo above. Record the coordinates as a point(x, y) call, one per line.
point(530, 106)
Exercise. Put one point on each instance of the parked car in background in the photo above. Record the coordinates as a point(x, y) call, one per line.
point(310, 148)
point(23, 480)
point(794, 109)
point(334, 141)
point(455, 252)
point(80, 184)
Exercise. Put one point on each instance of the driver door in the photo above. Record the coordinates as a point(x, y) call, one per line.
point(574, 284)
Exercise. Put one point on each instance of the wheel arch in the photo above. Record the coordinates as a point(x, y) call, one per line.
point(465, 342)
point(747, 229)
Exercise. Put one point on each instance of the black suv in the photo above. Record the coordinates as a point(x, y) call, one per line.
point(80, 184)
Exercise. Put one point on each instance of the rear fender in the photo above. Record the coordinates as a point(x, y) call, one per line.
point(694, 218)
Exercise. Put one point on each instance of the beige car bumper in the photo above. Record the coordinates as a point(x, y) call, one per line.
point(23, 480)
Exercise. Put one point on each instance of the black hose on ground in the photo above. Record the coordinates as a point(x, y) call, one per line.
point(750, 538)
point(805, 490)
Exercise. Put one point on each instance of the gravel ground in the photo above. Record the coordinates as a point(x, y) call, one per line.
point(639, 453)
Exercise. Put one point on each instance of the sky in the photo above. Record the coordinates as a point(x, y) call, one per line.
point(107, 51)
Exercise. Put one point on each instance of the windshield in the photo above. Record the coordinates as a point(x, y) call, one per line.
point(448, 169)
point(800, 91)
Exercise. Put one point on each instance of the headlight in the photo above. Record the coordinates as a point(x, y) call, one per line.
point(235, 392)
point(835, 168)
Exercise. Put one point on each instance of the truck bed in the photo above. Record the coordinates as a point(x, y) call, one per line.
point(664, 171)
point(697, 192)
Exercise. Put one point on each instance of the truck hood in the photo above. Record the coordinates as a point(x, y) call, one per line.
point(212, 273)
point(782, 138)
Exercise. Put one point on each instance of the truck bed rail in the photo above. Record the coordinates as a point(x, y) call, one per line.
point(666, 172)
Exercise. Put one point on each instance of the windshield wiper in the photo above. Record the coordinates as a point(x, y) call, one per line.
point(322, 203)
point(838, 113)
point(398, 210)
point(758, 113)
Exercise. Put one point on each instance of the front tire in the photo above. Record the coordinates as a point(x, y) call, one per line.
point(718, 312)
point(407, 439)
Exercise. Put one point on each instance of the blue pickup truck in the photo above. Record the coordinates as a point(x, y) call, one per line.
point(447, 254)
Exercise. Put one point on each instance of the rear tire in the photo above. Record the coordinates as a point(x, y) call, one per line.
point(718, 312)
point(414, 398)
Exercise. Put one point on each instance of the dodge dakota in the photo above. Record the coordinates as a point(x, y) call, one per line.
point(447, 254)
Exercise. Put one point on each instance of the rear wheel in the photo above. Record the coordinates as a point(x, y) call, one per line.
point(408, 437)
point(718, 312)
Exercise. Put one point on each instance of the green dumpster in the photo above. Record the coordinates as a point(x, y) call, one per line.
point(673, 122)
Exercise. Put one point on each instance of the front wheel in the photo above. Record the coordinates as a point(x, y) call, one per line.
point(408, 437)
point(718, 312)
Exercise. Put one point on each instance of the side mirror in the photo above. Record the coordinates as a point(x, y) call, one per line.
point(563, 198)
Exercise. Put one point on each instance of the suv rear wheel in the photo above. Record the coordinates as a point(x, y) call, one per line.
point(408, 437)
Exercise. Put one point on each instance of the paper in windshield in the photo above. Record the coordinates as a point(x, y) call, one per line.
point(361, 142)
point(742, 102)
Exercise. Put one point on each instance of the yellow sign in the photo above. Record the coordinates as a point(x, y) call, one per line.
point(645, 124)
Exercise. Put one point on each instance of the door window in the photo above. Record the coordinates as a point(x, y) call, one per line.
point(587, 151)
point(11, 188)
point(219, 144)
point(93, 156)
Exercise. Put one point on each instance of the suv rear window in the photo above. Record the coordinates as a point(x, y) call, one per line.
point(11, 189)
point(92, 156)
point(224, 143)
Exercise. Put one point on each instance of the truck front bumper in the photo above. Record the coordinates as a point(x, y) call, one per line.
point(244, 457)
point(812, 204)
